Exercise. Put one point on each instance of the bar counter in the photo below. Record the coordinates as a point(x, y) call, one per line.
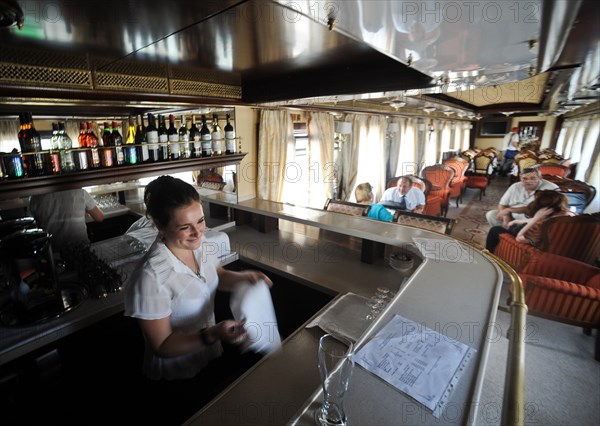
point(456, 299)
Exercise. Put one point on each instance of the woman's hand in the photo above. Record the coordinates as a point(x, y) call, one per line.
point(255, 276)
point(228, 331)
point(542, 213)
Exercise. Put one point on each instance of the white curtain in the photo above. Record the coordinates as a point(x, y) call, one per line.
point(445, 134)
point(408, 148)
point(9, 129)
point(349, 159)
point(320, 158)
point(466, 136)
point(276, 144)
point(371, 153)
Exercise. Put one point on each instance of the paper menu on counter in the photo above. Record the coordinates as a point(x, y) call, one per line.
point(416, 360)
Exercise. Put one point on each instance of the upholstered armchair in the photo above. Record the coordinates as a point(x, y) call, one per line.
point(575, 237)
point(524, 160)
point(346, 207)
point(481, 176)
point(459, 181)
point(564, 290)
point(440, 177)
point(550, 169)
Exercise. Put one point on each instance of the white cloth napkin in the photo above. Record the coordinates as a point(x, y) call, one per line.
point(253, 303)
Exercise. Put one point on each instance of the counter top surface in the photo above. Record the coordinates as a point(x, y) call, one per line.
point(454, 298)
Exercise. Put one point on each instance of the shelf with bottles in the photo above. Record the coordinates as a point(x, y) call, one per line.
point(26, 186)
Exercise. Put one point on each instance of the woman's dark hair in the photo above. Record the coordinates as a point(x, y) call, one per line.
point(548, 198)
point(165, 194)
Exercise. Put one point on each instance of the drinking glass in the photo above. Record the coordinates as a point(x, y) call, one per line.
point(335, 366)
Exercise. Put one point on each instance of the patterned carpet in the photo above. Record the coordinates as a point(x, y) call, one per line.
point(471, 224)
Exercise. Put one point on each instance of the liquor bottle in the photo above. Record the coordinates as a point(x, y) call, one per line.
point(106, 152)
point(92, 143)
point(229, 137)
point(141, 141)
point(130, 150)
point(152, 139)
point(54, 150)
point(195, 139)
point(116, 140)
point(22, 128)
point(205, 139)
point(67, 163)
point(82, 138)
point(163, 139)
point(37, 163)
point(184, 140)
point(173, 136)
point(216, 136)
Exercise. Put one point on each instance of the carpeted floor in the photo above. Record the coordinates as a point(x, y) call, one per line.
point(562, 379)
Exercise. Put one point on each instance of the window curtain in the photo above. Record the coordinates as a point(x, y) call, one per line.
point(371, 151)
point(320, 158)
point(275, 145)
point(9, 129)
point(348, 159)
point(445, 134)
point(466, 136)
point(393, 147)
point(588, 169)
point(407, 164)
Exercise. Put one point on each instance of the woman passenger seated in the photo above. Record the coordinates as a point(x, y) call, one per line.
point(545, 205)
point(364, 195)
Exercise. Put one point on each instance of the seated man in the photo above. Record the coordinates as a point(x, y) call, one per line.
point(513, 203)
point(405, 196)
point(364, 195)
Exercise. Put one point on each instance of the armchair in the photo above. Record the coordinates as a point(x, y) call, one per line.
point(346, 207)
point(481, 176)
point(575, 237)
point(440, 177)
point(459, 181)
point(564, 290)
point(553, 170)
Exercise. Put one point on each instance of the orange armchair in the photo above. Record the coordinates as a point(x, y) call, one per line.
point(575, 237)
point(440, 177)
point(553, 170)
point(459, 181)
point(564, 290)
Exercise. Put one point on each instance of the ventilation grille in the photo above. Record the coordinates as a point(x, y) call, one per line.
point(26, 75)
point(200, 88)
point(43, 58)
point(130, 83)
point(130, 67)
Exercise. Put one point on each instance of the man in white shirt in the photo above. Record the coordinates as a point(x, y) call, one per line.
point(62, 214)
point(517, 196)
point(405, 196)
point(511, 144)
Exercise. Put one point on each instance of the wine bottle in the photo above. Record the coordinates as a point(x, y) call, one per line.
point(184, 140)
point(229, 136)
point(116, 140)
point(216, 136)
point(67, 163)
point(173, 136)
point(205, 139)
point(163, 139)
point(106, 152)
point(37, 163)
point(141, 141)
point(152, 138)
point(130, 150)
point(92, 143)
point(82, 138)
point(54, 150)
point(195, 139)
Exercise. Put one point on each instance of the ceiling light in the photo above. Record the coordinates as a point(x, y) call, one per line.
point(428, 109)
point(397, 104)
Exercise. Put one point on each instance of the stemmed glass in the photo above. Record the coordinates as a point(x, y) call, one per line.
point(378, 301)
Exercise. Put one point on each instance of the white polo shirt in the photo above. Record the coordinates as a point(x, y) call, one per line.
point(517, 196)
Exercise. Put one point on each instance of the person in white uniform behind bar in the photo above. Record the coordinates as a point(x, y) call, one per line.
point(62, 214)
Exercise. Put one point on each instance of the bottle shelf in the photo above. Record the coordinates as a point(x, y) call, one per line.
point(26, 186)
